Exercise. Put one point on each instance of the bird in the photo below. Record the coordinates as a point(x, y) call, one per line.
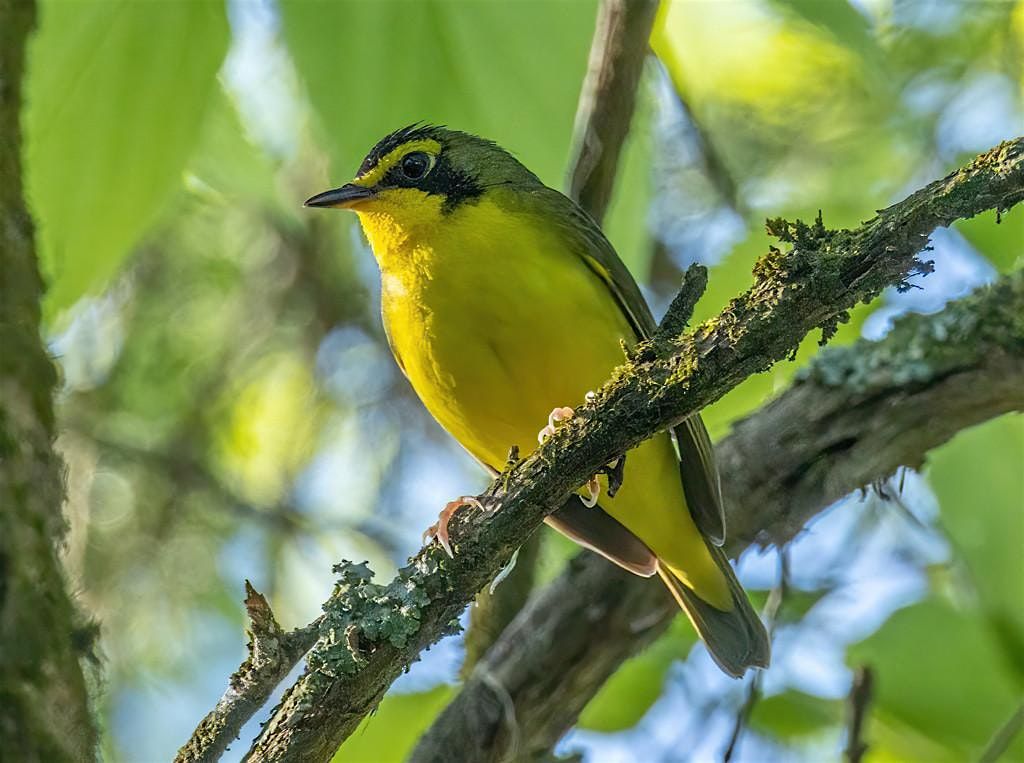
point(503, 302)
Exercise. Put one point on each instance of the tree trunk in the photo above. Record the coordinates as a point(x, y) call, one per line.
point(44, 712)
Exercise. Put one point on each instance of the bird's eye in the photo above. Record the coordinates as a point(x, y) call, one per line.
point(416, 165)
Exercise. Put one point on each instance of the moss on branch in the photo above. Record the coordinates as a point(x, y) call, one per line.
point(272, 655)
point(921, 348)
point(44, 708)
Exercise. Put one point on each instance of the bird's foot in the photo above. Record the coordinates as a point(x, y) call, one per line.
point(439, 530)
point(616, 472)
point(504, 572)
point(556, 417)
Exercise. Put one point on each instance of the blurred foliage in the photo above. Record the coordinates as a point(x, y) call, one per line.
point(229, 405)
point(919, 675)
point(444, 63)
point(389, 735)
point(983, 519)
point(476, 51)
point(1001, 242)
point(116, 98)
point(640, 680)
point(793, 715)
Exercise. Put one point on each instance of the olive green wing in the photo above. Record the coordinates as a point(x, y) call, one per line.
point(702, 484)
point(699, 472)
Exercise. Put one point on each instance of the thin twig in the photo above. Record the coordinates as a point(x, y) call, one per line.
point(770, 615)
point(494, 610)
point(712, 163)
point(680, 311)
point(272, 655)
point(1004, 736)
point(859, 703)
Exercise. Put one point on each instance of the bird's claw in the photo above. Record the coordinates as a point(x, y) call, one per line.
point(439, 529)
point(556, 417)
point(616, 473)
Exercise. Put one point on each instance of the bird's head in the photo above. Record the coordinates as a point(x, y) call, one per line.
point(422, 173)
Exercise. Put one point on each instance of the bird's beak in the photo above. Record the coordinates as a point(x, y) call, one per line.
point(341, 198)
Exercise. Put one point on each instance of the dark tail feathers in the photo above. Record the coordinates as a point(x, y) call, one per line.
point(736, 639)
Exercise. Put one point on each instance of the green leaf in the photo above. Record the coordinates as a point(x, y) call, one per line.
point(980, 486)
point(939, 671)
point(115, 100)
point(389, 734)
point(635, 686)
point(794, 714)
point(840, 20)
point(508, 71)
point(227, 167)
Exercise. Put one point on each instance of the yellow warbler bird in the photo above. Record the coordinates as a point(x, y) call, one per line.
point(502, 300)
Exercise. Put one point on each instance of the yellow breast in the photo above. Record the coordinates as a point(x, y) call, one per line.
point(495, 321)
point(490, 319)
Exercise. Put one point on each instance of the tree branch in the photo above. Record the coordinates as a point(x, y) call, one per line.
point(608, 98)
point(44, 708)
point(855, 416)
point(857, 413)
point(1003, 738)
point(494, 610)
point(370, 632)
point(859, 704)
point(272, 655)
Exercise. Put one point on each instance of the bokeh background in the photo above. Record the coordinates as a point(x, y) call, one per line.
point(229, 408)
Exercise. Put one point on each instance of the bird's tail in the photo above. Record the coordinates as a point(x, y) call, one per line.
point(736, 638)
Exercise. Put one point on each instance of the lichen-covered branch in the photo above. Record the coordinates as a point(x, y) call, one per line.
point(854, 417)
point(371, 632)
point(857, 413)
point(272, 655)
point(533, 683)
point(44, 709)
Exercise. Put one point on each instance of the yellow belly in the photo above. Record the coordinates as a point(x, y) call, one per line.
point(495, 324)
